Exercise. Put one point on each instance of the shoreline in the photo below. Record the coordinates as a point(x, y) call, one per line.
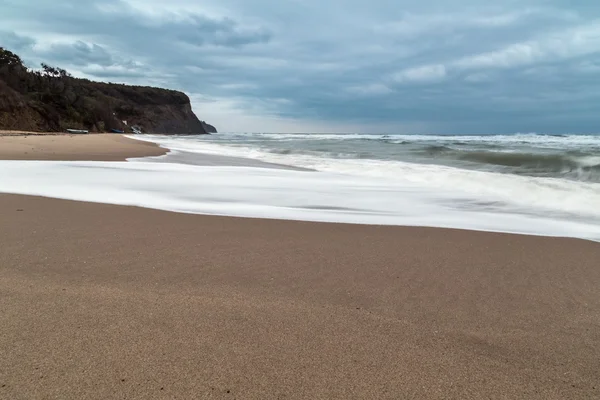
point(211, 160)
point(180, 191)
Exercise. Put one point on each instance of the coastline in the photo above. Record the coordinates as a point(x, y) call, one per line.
point(104, 301)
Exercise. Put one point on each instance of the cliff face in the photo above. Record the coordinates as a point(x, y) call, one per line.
point(209, 128)
point(53, 100)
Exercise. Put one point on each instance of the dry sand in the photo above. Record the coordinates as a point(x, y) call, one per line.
point(90, 147)
point(103, 302)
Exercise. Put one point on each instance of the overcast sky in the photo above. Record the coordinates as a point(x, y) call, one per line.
point(437, 66)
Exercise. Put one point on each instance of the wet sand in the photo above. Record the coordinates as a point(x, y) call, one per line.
point(212, 160)
point(101, 301)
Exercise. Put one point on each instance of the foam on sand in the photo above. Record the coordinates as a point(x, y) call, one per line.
point(287, 194)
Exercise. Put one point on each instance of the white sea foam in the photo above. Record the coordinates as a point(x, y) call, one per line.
point(298, 195)
point(577, 200)
point(522, 138)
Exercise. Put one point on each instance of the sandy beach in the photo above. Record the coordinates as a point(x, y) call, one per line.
point(64, 147)
point(103, 301)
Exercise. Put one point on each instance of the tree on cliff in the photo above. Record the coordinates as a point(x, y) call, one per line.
point(9, 59)
point(55, 72)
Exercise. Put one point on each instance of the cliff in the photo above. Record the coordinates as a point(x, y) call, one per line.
point(53, 100)
point(209, 128)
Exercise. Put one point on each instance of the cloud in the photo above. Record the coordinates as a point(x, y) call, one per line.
point(371, 89)
point(392, 65)
point(80, 53)
point(414, 25)
point(478, 77)
point(200, 30)
point(423, 74)
point(13, 41)
point(566, 44)
point(116, 72)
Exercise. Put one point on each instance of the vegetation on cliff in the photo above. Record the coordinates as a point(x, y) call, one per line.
point(52, 100)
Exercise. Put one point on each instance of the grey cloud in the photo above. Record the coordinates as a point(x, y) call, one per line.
point(119, 21)
point(116, 73)
point(80, 53)
point(226, 32)
point(16, 42)
point(464, 66)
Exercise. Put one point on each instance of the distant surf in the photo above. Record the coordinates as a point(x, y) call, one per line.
point(573, 157)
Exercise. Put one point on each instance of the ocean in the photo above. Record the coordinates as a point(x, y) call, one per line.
point(522, 183)
point(570, 157)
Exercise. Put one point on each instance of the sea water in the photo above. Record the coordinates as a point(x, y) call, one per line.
point(532, 184)
point(571, 157)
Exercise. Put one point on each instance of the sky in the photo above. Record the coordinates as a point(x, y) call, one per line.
point(391, 66)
